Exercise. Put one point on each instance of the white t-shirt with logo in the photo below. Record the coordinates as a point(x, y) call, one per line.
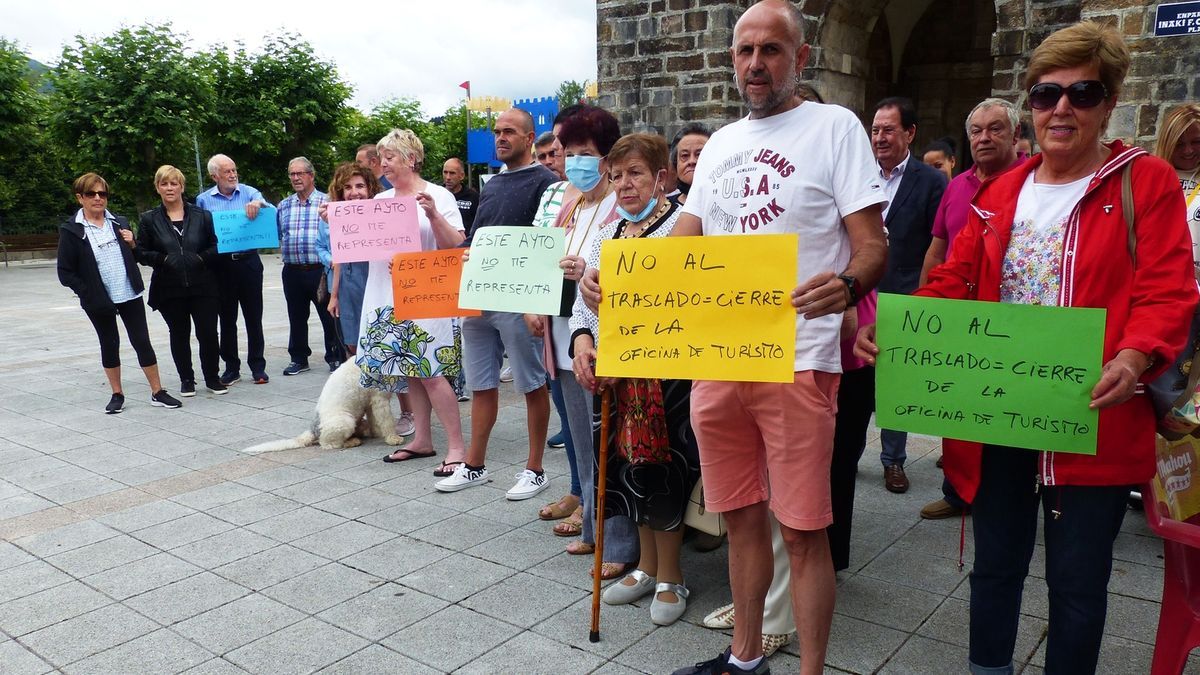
point(797, 172)
point(1187, 181)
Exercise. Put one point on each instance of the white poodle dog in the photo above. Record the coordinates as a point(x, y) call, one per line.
point(339, 422)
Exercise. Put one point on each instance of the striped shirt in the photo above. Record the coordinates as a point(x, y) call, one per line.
point(106, 246)
point(299, 228)
point(550, 204)
point(212, 199)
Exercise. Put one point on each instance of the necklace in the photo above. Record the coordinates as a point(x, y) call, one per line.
point(574, 220)
point(627, 229)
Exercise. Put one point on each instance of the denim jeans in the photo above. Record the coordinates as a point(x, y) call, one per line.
point(1080, 524)
point(556, 395)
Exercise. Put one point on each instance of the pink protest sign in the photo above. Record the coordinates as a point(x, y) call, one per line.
point(373, 229)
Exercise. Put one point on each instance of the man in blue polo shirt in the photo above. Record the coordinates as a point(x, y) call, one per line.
point(299, 227)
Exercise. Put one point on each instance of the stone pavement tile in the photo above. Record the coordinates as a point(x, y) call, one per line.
point(316, 490)
point(114, 428)
point(182, 531)
point(186, 598)
point(18, 660)
point(102, 555)
point(1117, 655)
point(858, 646)
point(523, 599)
point(900, 607)
point(397, 557)
point(408, 516)
point(51, 439)
point(150, 473)
point(145, 515)
point(278, 653)
point(206, 458)
point(670, 647)
point(533, 654)
point(382, 611)
point(322, 587)
point(22, 504)
point(951, 622)
point(214, 667)
point(451, 638)
point(222, 548)
point(520, 549)
point(11, 453)
point(479, 498)
point(75, 491)
point(253, 509)
point(461, 532)
point(37, 522)
point(940, 538)
point(28, 578)
point(37, 474)
point(111, 502)
point(922, 655)
point(296, 524)
point(270, 567)
point(1138, 549)
point(161, 443)
point(215, 495)
point(918, 570)
point(570, 570)
point(362, 502)
point(87, 634)
point(7, 490)
point(241, 468)
point(377, 659)
point(11, 556)
point(1132, 619)
point(1139, 581)
point(274, 478)
point(48, 607)
point(370, 472)
point(94, 455)
point(344, 540)
point(113, 463)
point(66, 538)
point(159, 652)
point(411, 485)
point(334, 461)
point(238, 623)
point(456, 577)
point(142, 575)
point(496, 507)
point(187, 481)
point(613, 668)
point(620, 627)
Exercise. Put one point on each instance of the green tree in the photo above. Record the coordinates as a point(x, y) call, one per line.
point(446, 137)
point(127, 104)
point(33, 183)
point(571, 92)
point(272, 106)
point(359, 128)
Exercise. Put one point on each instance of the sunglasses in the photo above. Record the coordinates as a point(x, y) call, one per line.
point(1082, 94)
point(102, 194)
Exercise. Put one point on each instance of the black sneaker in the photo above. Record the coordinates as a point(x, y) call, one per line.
point(333, 366)
point(261, 378)
point(164, 400)
point(722, 666)
point(187, 388)
point(229, 377)
point(115, 404)
point(295, 368)
point(214, 386)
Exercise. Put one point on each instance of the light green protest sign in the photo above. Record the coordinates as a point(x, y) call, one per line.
point(1015, 375)
point(514, 269)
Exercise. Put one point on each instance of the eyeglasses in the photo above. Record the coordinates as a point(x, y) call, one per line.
point(102, 194)
point(1082, 94)
point(297, 174)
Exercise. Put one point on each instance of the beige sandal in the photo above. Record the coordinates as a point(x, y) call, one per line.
point(580, 547)
point(559, 509)
point(572, 525)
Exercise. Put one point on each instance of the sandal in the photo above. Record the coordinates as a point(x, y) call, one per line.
point(559, 509)
point(404, 454)
point(572, 525)
point(447, 469)
point(610, 570)
point(580, 547)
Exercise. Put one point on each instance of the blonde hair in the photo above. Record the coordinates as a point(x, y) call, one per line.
point(167, 173)
point(406, 144)
point(1085, 43)
point(1176, 122)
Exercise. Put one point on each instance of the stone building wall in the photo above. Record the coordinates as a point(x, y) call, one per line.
point(663, 63)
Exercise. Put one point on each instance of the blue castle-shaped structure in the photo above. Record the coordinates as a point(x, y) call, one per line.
point(481, 147)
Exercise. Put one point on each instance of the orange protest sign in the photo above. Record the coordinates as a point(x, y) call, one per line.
point(425, 285)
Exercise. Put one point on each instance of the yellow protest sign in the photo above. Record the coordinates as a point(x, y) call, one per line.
point(698, 308)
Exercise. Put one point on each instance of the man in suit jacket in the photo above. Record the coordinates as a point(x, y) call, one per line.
point(914, 190)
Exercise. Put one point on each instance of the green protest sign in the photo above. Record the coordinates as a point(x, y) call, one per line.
point(514, 269)
point(1016, 375)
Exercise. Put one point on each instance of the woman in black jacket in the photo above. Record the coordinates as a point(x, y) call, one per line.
point(95, 259)
point(177, 240)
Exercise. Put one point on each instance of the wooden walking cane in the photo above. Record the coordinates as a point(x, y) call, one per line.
point(601, 481)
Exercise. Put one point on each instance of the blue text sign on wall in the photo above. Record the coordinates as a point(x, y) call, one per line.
point(1177, 18)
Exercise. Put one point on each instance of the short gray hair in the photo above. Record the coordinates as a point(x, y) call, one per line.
point(308, 166)
point(1010, 111)
point(545, 139)
point(214, 163)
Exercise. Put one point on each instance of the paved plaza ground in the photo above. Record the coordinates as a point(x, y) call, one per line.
point(147, 542)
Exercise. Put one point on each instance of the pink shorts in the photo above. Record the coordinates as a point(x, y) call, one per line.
point(763, 441)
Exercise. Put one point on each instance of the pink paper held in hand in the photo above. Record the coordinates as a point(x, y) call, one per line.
point(373, 229)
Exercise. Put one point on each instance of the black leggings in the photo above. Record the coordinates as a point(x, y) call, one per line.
point(179, 313)
point(133, 315)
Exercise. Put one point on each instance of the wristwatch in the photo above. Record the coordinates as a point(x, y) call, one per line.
point(853, 287)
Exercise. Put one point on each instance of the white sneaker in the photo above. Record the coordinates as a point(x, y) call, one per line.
point(405, 426)
point(506, 374)
point(529, 484)
point(461, 479)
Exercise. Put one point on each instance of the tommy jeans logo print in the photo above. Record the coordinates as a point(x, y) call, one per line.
point(745, 190)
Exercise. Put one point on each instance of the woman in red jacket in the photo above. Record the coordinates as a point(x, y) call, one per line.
point(1052, 232)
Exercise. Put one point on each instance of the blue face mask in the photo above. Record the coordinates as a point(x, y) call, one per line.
point(583, 171)
point(635, 217)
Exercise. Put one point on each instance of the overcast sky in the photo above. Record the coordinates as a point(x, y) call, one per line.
point(420, 49)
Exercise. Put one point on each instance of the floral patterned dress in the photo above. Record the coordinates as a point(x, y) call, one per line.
point(391, 351)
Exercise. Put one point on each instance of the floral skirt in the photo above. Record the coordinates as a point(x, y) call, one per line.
point(391, 351)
